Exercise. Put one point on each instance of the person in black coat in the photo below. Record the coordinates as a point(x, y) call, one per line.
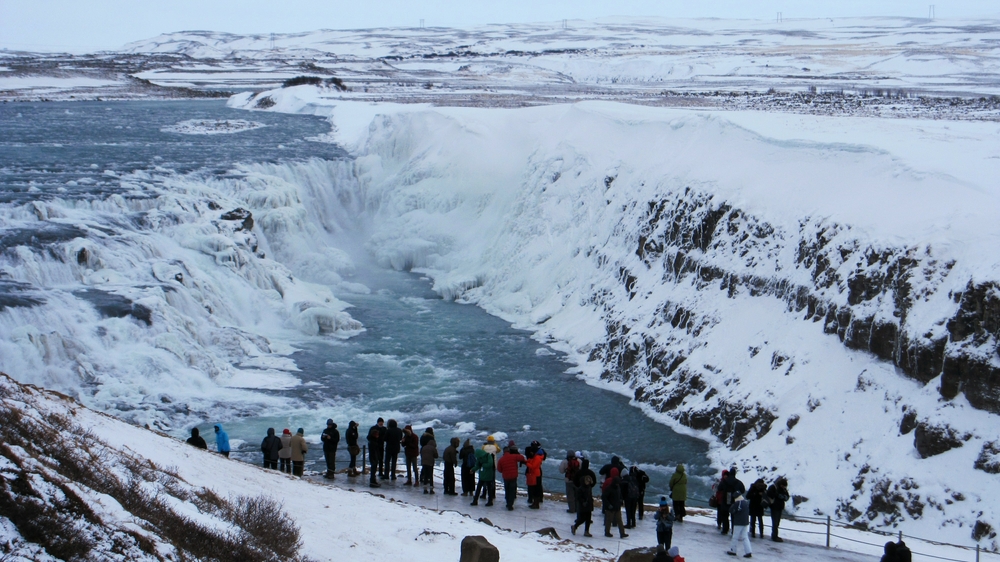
point(330, 439)
point(376, 449)
point(393, 439)
point(197, 440)
point(611, 498)
point(778, 492)
point(755, 495)
point(615, 463)
point(270, 446)
point(730, 487)
point(640, 477)
point(585, 481)
point(352, 447)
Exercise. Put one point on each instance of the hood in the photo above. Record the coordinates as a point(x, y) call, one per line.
point(194, 432)
point(218, 427)
point(455, 441)
point(585, 464)
point(270, 432)
point(680, 468)
point(615, 460)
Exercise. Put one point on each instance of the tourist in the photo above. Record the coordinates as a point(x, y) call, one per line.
point(889, 553)
point(299, 449)
point(721, 515)
point(392, 441)
point(271, 447)
point(675, 554)
point(740, 510)
point(611, 497)
point(221, 440)
point(468, 457)
point(568, 468)
point(539, 492)
point(630, 496)
point(285, 454)
point(411, 452)
point(330, 439)
point(778, 493)
point(508, 467)
point(534, 476)
point(664, 524)
point(679, 491)
point(376, 442)
point(487, 487)
point(756, 495)
point(352, 447)
point(493, 449)
point(640, 478)
point(584, 493)
point(427, 436)
point(731, 487)
point(197, 440)
point(615, 463)
point(450, 462)
point(428, 452)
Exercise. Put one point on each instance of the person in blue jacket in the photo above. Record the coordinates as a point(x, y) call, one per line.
point(740, 510)
point(221, 440)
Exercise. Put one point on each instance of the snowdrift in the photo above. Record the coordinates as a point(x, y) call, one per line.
point(813, 295)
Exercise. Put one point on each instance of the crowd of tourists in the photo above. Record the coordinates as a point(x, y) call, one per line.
point(740, 511)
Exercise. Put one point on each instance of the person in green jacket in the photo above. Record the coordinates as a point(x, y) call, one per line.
point(679, 492)
point(486, 465)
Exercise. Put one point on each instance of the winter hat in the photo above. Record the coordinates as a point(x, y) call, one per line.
point(194, 432)
point(329, 422)
point(490, 439)
point(380, 420)
point(570, 455)
point(674, 551)
point(300, 431)
point(408, 426)
point(510, 444)
point(286, 432)
point(624, 472)
point(579, 455)
point(663, 501)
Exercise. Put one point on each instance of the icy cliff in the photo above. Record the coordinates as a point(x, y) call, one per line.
point(814, 295)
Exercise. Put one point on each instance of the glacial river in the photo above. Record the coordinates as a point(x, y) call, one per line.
point(421, 359)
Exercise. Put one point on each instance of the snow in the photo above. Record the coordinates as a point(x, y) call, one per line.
point(52, 82)
point(505, 209)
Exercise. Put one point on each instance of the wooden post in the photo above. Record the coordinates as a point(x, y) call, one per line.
point(828, 531)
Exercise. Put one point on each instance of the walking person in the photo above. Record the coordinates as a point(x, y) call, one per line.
point(611, 497)
point(534, 476)
point(731, 487)
point(679, 492)
point(376, 449)
point(585, 482)
point(299, 450)
point(756, 495)
point(411, 453)
point(468, 457)
point(568, 468)
point(427, 455)
point(664, 524)
point(630, 496)
point(450, 462)
point(330, 439)
point(641, 479)
point(285, 454)
point(720, 514)
point(487, 486)
point(221, 440)
point(778, 493)
point(196, 440)
point(352, 448)
point(271, 447)
point(508, 467)
point(740, 510)
point(393, 441)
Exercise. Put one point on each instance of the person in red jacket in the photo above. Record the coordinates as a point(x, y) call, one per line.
point(534, 477)
point(508, 467)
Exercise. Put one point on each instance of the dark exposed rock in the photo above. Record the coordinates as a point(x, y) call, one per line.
point(240, 214)
point(909, 422)
point(642, 554)
point(112, 305)
point(475, 548)
point(982, 530)
point(933, 440)
point(548, 532)
point(989, 458)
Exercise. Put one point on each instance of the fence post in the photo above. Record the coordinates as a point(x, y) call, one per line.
point(977, 553)
point(828, 531)
point(901, 536)
point(364, 460)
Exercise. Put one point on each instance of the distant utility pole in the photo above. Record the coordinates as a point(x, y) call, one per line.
point(272, 41)
point(779, 17)
point(421, 23)
point(565, 24)
point(930, 12)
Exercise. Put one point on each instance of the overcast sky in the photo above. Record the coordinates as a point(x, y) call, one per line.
point(89, 25)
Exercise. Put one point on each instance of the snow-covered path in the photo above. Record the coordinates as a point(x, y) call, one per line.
point(696, 537)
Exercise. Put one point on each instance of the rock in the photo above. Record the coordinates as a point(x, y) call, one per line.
point(644, 554)
point(933, 440)
point(485, 520)
point(909, 421)
point(549, 532)
point(989, 458)
point(239, 214)
point(475, 548)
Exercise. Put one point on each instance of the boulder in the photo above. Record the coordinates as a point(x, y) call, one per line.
point(475, 548)
point(644, 554)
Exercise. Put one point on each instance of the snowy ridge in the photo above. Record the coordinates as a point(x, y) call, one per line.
point(676, 254)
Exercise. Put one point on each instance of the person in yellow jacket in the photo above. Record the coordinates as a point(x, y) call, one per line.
point(299, 449)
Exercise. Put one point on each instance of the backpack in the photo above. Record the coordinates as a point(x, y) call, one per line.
point(572, 467)
point(633, 489)
point(469, 462)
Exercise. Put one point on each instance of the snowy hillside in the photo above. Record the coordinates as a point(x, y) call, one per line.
point(791, 288)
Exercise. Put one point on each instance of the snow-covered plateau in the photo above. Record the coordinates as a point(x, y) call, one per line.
point(812, 294)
